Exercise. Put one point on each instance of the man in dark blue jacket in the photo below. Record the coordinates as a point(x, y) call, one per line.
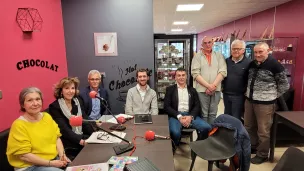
point(94, 107)
point(234, 85)
point(241, 136)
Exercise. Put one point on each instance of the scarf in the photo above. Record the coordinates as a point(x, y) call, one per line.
point(64, 108)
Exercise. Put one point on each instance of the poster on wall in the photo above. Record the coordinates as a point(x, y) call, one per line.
point(105, 44)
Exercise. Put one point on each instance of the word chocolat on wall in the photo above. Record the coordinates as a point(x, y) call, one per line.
point(36, 62)
point(118, 84)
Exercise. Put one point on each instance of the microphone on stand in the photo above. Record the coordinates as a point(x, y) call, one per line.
point(78, 120)
point(119, 149)
point(120, 120)
point(150, 135)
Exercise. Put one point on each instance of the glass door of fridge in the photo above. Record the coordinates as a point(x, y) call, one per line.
point(170, 55)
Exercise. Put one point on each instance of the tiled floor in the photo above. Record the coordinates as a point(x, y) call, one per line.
point(182, 159)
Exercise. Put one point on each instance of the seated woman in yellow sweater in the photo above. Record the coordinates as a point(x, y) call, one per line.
point(34, 140)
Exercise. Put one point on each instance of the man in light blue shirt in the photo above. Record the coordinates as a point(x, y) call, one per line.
point(93, 107)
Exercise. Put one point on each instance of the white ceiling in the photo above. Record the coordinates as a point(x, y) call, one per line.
point(214, 13)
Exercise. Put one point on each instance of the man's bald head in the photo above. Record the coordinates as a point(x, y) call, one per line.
point(206, 38)
point(207, 43)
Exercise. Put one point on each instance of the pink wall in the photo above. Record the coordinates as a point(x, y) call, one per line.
point(47, 45)
point(289, 22)
point(228, 28)
point(243, 25)
point(260, 22)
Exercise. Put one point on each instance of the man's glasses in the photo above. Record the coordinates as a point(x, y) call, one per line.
point(237, 49)
point(94, 79)
point(205, 43)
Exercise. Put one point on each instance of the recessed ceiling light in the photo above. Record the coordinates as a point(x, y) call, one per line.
point(189, 7)
point(176, 29)
point(180, 22)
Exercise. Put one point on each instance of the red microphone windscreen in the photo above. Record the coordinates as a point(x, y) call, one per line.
point(76, 120)
point(121, 120)
point(93, 94)
point(150, 135)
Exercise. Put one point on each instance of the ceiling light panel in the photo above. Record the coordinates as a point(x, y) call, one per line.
point(189, 7)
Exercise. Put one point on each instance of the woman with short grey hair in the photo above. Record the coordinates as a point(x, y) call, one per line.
point(27, 149)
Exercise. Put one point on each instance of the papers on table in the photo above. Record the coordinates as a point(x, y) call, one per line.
point(103, 137)
point(111, 119)
point(90, 167)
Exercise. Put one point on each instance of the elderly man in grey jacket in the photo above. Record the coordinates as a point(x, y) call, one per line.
point(208, 69)
point(267, 81)
point(141, 99)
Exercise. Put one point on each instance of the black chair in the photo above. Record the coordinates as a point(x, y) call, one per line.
point(4, 165)
point(292, 160)
point(218, 146)
point(188, 133)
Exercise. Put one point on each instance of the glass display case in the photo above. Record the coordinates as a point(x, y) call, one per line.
point(223, 47)
point(169, 56)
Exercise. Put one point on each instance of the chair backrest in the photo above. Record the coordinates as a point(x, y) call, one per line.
point(220, 145)
point(225, 136)
point(285, 102)
point(4, 165)
point(291, 160)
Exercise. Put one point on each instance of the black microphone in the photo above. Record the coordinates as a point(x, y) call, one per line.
point(121, 120)
point(119, 149)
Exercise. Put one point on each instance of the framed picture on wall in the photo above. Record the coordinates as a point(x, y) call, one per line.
point(105, 44)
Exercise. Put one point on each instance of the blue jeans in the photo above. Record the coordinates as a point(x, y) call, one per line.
point(175, 128)
point(42, 168)
point(234, 105)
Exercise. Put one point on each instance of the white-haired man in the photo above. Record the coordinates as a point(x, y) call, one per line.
point(267, 81)
point(234, 85)
point(93, 107)
point(208, 69)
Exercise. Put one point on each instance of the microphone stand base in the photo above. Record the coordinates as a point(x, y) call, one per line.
point(117, 127)
point(119, 149)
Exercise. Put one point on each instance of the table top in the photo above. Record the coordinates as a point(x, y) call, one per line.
point(159, 152)
point(296, 117)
